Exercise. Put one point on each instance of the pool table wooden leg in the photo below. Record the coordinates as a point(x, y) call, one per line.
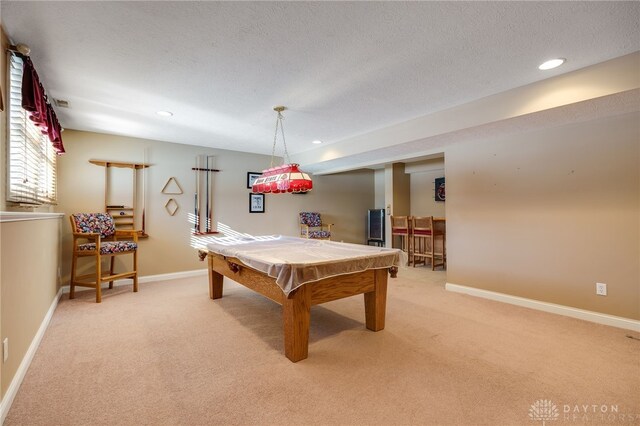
point(296, 316)
point(375, 302)
point(215, 282)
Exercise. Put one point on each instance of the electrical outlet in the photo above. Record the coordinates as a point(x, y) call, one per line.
point(5, 349)
point(601, 289)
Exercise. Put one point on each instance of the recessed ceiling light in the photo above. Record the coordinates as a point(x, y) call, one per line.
point(550, 64)
point(165, 113)
point(317, 142)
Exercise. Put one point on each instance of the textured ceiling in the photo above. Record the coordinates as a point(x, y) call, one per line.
point(342, 68)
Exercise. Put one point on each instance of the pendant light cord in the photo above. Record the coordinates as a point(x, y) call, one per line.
point(284, 142)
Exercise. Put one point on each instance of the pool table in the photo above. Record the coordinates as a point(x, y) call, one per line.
point(334, 277)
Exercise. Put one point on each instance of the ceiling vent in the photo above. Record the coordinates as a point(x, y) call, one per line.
point(61, 103)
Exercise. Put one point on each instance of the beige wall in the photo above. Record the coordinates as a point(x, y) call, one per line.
point(379, 189)
point(343, 199)
point(547, 214)
point(422, 178)
point(28, 276)
point(401, 205)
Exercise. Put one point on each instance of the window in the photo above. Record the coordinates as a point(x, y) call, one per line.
point(31, 158)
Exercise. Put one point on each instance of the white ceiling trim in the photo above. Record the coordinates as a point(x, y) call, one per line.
point(430, 147)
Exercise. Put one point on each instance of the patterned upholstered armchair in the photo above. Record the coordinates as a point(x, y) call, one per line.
point(95, 235)
point(311, 226)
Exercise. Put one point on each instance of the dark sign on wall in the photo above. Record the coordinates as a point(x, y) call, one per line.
point(440, 193)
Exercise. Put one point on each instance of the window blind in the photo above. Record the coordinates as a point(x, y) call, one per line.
point(31, 159)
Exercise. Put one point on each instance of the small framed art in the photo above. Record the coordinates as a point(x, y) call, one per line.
point(439, 190)
point(251, 177)
point(256, 203)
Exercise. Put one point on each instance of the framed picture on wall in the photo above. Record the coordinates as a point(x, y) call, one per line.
point(256, 203)
point(251, 177)
point(440, 193)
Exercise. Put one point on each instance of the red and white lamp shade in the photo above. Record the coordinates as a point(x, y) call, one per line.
point(282, 179)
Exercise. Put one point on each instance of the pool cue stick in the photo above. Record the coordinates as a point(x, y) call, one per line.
point(199, 194)
point(206, 226)
point(211, 206)
point(144, 189)
point(134, 198)
point(196, 210)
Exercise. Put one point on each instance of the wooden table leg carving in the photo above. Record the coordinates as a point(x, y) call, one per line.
point(234, 267)
point(393, 271)
point(375, 302)
point(296, 316)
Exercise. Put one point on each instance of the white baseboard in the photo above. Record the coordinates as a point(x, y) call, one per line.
point(7, 400)
point(172, 276)
point(611, 320)
point(153, 278)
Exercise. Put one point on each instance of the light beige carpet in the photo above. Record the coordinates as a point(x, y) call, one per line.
point(169, 355)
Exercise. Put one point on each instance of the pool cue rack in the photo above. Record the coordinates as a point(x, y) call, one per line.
point(204, 172)
point(125, 216)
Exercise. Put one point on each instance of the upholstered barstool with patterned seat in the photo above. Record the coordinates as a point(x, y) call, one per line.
point(103, 241)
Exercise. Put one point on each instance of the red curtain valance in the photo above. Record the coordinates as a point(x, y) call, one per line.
point(34, 100)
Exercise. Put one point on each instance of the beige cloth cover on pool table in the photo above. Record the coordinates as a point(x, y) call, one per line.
point(297, 261)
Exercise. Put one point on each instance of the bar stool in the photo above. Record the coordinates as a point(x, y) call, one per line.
point(423, 236)
point(400, 226)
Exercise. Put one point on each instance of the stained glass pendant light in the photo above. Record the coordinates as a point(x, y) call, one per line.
point(286, 178)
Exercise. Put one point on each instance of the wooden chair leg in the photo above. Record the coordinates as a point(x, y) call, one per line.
point(419, 251)
point(98, 277)
point(444, 251)
point(111, 270)
point(135, 268)
point(433, 253)
point(406, 246)
point(72, 285)
point(415, 253)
